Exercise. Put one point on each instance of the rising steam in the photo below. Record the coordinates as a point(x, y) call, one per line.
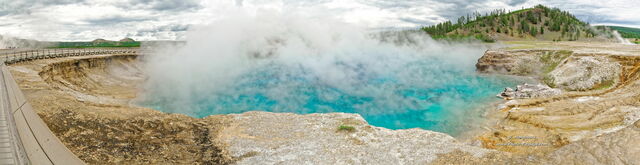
point(620, 39)
point(7, 42)
point(279, 62)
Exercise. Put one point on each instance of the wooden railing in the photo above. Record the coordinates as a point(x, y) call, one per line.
point(15, 56)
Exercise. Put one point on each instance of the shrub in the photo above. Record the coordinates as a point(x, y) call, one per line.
point(346, 128)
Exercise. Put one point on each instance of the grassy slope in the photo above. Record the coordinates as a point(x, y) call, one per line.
point(542, 23)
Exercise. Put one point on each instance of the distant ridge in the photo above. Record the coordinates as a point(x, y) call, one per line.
point(127, 40)
point(537, 23)
point(100, 40)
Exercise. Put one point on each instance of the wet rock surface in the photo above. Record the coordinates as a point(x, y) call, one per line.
point(528, 91)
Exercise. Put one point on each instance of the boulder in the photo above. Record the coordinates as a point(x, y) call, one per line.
point(528, 91)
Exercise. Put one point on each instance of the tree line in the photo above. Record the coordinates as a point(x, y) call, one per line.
point(521, 23)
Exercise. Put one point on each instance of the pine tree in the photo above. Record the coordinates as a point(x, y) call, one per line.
point(531, 18)
point(524, 26)
point(511, 20)
point(504, 21)
point(461, 20)
point(533, 31)
point(539, 17)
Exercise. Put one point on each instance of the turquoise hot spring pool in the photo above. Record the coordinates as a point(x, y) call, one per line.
point(426, 92)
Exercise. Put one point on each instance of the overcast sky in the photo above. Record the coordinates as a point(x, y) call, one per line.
point(78, 20)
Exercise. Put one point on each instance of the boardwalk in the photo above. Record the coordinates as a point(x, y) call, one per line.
point(24, 137)
point(11, 151)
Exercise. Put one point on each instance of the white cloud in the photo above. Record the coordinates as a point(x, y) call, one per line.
point(620, 12)
point(74, 20)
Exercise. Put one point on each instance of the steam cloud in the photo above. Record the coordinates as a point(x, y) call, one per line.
point(620, 39)
point(281, 62)
point(7, 42)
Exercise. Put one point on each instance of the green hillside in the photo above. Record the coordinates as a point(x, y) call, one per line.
point(537, 23)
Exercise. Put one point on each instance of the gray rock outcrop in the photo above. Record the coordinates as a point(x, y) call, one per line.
point(528, 91)
point(585, 73)
point(286, 138)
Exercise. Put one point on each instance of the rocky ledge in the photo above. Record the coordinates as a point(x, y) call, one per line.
point(586, 104)
point(332, 138)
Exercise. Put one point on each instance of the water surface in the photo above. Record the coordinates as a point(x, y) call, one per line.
point(420, 92)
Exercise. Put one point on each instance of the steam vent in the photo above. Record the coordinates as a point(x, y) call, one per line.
point(319, 82)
